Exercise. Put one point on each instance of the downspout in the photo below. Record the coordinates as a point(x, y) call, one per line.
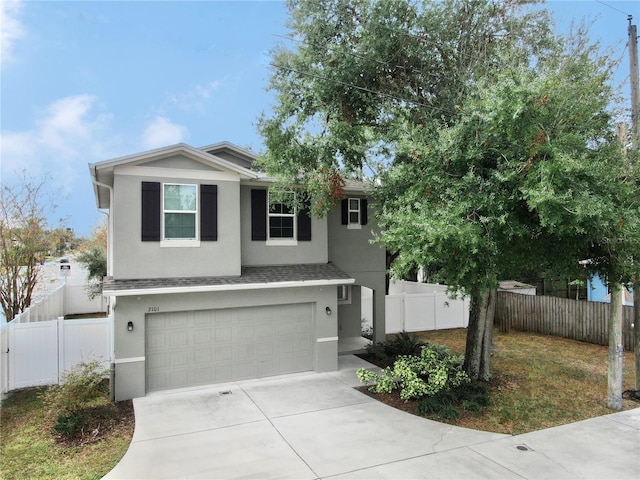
point(109, 214)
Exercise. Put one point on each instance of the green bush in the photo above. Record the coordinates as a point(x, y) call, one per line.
point(82, 388)
point(384, 354)
point(468, 397)
point(433, 370)
point(71, 423)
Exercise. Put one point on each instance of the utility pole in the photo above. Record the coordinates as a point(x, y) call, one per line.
point(635, 144)
point(633, 71)
point(616, 350)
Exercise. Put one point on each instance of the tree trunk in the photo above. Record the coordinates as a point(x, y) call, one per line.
point(477, 359)
point(614, 384)
point(636, 327)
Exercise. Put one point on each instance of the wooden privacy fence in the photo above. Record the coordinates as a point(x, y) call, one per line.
point(561, 317)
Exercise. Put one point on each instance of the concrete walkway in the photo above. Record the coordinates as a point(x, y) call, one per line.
point(310, 426)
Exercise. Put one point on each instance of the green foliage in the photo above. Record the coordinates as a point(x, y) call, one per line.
point(433, 370)
point(490, 139)
point(71, 423)
point(94, 260)
point(83, 387)
point(363, 71)
point(385, 353)
point(448, 404)
point(24, 238)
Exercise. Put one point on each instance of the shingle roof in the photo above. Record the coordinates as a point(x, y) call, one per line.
point(255, 276)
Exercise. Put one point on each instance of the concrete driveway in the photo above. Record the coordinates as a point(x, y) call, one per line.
point(311, 425)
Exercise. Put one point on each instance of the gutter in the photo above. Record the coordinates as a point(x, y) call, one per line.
point(109, 214)
point(225, 288)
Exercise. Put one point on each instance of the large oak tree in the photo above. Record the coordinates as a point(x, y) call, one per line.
point(490, 139)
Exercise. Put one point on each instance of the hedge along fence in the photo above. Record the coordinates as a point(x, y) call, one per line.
point(561, 317)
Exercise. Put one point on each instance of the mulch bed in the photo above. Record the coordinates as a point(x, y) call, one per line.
point(104, 422)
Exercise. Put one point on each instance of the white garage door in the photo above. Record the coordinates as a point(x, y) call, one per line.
point(213, 346)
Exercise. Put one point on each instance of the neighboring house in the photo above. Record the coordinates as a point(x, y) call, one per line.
point(212, 279)
point(597, 291)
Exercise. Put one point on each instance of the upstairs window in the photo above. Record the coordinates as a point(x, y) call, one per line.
point(180, 209)
point(274, 220)
point(282, 216)
point(354, 211)
point(176, 214)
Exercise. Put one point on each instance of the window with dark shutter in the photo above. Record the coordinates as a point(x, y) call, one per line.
point(258, 215)
point(150, 212)
point(304, 222)
point(208, 213)
point(345, 211)
point(354, 212)
point(364, 217)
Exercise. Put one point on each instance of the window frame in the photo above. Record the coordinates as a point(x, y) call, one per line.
point(346, 298)
point(180, 242)
point(282, 241)
point(357, 224)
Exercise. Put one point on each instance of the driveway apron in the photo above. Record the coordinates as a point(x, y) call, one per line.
point(312, 425)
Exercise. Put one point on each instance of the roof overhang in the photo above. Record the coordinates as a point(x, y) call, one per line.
point(222, 288)
point(252, 278)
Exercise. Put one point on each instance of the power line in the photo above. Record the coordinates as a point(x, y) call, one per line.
point(612, 7)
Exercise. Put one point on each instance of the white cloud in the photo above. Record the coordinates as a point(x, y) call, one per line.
point(162, 132)
point(70, 133)
point(11, 28)
point(195, 98)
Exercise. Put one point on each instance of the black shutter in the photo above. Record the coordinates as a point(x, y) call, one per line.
point(151, 211)
point(345, 211)
point(208, 213)
point(258, 215)
point(364, 217)
point(304, 222)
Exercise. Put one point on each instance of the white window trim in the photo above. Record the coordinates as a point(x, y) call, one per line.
point(278, 241)
point(353, 225)
point(346, 301)
point(181, 242)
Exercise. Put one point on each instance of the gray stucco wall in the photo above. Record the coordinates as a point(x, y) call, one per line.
point(348, 312)
point(130, 346)
point(260, 253)
point(352, 251)
point(133, 258)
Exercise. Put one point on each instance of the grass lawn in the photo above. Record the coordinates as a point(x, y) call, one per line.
point(29, 447)
point(539, 381)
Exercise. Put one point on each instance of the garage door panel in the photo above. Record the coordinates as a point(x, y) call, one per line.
point(223, 334)
point(246, 332)
point(204, 347)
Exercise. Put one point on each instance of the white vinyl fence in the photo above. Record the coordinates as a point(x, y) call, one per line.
point(415, 307)
point(48, 308)
point(38, 353)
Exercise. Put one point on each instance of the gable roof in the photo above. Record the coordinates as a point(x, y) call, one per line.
point(102, 172)
point(242, 157)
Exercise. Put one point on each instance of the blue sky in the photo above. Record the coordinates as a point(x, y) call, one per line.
point(88, 81)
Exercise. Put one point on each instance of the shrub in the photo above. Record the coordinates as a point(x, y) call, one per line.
point(433, 370)
point(71, 423)
point(448, 404)
point(384, 354)
point(83, 387)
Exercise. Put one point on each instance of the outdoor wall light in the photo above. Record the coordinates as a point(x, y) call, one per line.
point(328, 310)
point(130, 326)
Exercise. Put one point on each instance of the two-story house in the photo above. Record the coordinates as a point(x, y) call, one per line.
point(213, 278)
